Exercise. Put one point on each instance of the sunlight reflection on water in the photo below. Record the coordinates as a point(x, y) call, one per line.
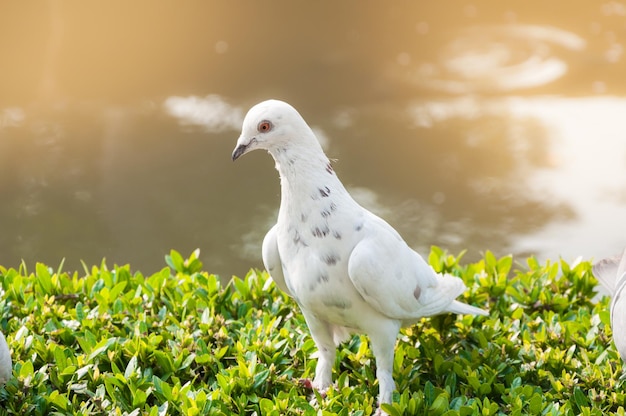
point(212, 112)
point(498, 58)
point(586, 168)
point(589, 152)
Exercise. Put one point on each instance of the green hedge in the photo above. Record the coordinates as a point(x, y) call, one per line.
point(110, 341)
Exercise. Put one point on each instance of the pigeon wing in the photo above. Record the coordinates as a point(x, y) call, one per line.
point(394, 279)
point(272, 261)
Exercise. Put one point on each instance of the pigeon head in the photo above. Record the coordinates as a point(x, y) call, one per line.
point(271, 125)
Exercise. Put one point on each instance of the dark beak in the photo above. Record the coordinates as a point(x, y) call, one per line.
point(239, 150)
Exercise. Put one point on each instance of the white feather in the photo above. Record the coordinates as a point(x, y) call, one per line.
point(6, 366)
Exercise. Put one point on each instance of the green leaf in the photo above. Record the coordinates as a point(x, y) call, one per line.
point(390, 410)
point(27, 369)
point(439, 406)
point(131, 367)
point(44, 278)
point(580, 398)
point(139, 398)
point(117, 290)
point(504, 264)
point(179, 342)
point(266, 406)
point(59, 401)
point(175, 261)
point(535, 404)
point(101, 347)
point(163, 389)
point(165, 361)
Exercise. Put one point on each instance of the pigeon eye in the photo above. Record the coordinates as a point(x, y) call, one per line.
point(264, 126)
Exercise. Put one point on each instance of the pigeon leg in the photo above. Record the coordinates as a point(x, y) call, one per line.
point(320, 331)
point(383, 341)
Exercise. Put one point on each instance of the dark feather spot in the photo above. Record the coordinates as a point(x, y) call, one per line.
point(337, 303)
point(323, 277)
point(329, 168)
point(331, 259)
point(333, 207)
point(359, 226)
point(337, 235)
point(325, 213)
point(417, 292)
point(303, 217)
point(320, 232)
point(324, 192)
point(297, 240)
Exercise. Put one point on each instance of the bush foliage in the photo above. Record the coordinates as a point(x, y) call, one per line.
point(110, 341)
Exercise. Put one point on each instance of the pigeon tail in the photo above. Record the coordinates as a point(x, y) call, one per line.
point(441, 299)
point(608, 271)
point(605, 271)
point(455, 286)
point(465, 309)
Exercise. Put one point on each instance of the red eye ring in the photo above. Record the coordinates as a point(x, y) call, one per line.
point(264, 126)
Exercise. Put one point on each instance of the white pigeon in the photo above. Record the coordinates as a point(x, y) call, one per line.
point(611, 272)
point(348, 270)
point(6, 367)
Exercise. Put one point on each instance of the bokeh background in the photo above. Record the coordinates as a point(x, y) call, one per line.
point(477, 125)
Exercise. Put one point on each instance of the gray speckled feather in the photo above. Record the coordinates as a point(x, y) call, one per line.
point(348, 270)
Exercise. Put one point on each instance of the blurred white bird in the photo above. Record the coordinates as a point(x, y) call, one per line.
point(6, 367)
point(611, 273)
point(348, 270)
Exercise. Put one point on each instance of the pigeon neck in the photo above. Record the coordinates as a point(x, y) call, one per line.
point(301, 165)
point(306, 173)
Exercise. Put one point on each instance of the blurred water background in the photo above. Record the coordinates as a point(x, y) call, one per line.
point(478, 125)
